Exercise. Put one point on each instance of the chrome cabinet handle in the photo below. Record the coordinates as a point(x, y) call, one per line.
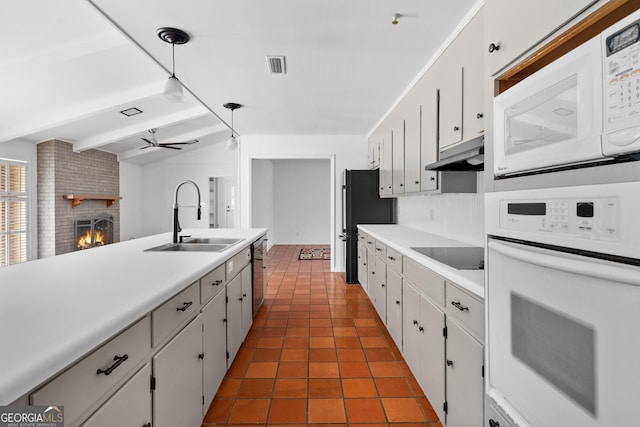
point(449, 362)
point(493, 423)
point(110, 369)
point(479, 116)
point(392, 258)
point(494, 47)
point(397, 302)
point(217, 283)
point(185, 306)
point(456, 128)
point(459, 306)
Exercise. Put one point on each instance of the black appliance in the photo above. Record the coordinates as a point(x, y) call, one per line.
point(259, 281)
point(460, 258)
point(361, 204)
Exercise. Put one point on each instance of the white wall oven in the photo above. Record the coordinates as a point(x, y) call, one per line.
point(563, 305)
point(581, 110)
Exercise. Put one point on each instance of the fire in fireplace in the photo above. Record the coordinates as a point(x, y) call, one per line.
point(96, 231)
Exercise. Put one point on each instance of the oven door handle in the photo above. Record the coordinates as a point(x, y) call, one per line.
point(582, 266)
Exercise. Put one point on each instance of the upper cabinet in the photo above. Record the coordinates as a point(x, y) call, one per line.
point(512, 27)
point(460, 71)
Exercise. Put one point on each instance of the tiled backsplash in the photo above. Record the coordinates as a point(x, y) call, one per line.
point(63, 171)
point(456, 216)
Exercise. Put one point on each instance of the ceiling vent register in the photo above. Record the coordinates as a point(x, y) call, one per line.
point(276, 65)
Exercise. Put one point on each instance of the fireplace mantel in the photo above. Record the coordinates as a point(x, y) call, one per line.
point(76, 199)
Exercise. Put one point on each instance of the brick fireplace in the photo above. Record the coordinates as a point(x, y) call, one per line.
point(62, 172)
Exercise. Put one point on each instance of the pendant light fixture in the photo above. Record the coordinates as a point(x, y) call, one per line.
point(173, 87)
point(232, 143)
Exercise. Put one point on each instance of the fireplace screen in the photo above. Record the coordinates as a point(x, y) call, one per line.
point(97, 231)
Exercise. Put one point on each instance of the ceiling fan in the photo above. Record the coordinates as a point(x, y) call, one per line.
point(154, 143)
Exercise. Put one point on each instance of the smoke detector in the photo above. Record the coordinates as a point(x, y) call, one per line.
point(276, 65)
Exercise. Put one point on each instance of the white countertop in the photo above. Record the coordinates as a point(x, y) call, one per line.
point(55, 310)
point(402, 239)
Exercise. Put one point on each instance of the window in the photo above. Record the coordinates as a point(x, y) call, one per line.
point(13, 212)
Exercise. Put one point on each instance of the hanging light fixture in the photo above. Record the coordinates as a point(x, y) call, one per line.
point(172, 88)
point(232, 142)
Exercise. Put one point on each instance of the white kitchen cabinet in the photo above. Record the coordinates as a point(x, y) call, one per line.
point(465, 382)
point(386, 162)
point(214, 347)
point(394, 305)
point(473, 72)
point(514, 27)
point(177, 398)
point(247, 300)
point(234, 317)
point(410, 110)
point(396, 120)
point(424, 345)
point(378, 286)
point(87, 382)
point(362, 264)
point(129, 407)
point(374, 151)
point(450, 97)
point(427, 93)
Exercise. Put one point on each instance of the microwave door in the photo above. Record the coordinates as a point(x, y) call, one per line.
point(551, 118)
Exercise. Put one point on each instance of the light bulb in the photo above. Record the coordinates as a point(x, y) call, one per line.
point(232, 143)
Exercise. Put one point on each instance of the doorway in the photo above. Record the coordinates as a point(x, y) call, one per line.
point(222, 202)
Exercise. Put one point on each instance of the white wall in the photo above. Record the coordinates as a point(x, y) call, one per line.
point(156, 186)
point(302, 202)
point(455, 216)
point(27, 152)
point(131, 190)
point(344, 152)
point(262, 197)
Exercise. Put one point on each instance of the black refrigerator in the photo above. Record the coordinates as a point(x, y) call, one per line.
point(361, 204)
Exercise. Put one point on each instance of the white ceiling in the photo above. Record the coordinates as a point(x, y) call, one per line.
point(73, 65)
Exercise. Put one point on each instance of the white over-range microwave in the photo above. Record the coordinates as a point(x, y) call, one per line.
point(582, 109)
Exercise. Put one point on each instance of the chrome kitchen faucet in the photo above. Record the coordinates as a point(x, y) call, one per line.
point(176, 223)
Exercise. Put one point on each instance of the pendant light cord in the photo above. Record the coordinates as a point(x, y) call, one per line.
point(173, 57)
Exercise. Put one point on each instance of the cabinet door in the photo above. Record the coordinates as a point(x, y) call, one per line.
point(362, 265)
point(450, 104)
point(386, 165)
point(473, 82)
point(518, 25)
point(214, 347)
point(410, 321)
point(410, 108)
point(394, 306)
point(247, 300)
point(129, 407)
point(397, 141)
point(465, 386)
point(427, 93)
point(378, 286)
point(234, 317)
point(371, 273)
point(177, 399)
point(432, 367)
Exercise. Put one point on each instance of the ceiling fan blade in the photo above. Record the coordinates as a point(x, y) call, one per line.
point(147, 141)
point(168, 146)
point(180, 143)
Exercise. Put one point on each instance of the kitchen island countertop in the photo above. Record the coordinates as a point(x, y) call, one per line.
point(54, 311)
point(402, 239)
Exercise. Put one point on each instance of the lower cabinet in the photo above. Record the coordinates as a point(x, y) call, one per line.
point(234, 318)
point(214, 335)
point(129, 407)
point(394, 306)
point(378, 287)
point(465, 384)
point(177, 398)
point(362, 265)
point(424, 345)
point(247, 300)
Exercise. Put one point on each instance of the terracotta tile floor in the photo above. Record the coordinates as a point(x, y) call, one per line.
point(317, 353)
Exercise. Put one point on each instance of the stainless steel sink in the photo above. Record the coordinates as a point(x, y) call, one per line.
point(189, 247)
point(211, 240)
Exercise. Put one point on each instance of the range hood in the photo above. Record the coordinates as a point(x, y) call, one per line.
point(467, 156)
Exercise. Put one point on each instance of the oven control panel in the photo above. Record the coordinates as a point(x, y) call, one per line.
point(588, 218)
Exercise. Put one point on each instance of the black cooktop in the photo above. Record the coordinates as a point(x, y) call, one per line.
point(461, 258)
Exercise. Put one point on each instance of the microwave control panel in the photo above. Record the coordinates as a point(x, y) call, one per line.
point(588, 218)
point(622, 77)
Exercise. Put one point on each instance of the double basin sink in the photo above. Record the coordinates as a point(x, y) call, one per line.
point(197, 244)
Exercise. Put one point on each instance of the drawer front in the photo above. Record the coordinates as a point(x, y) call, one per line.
point(381, 251)
point(466, 308)
point(86, 382)
point(174, 312)
point(238, 262)
point(371, 242)
point(212, 283)
point(394, 259)
point(424, 280)
point(362, 236)
point(130, 406)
